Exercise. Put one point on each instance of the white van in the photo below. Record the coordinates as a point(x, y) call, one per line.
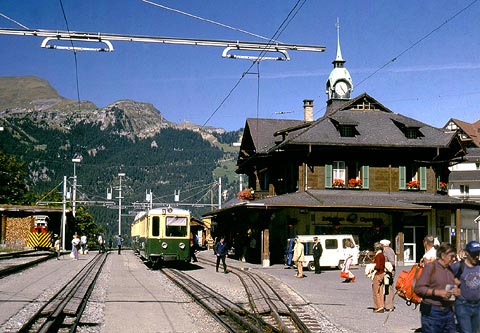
point(333, 250)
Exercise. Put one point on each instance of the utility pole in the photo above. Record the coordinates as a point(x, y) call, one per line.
point(219, 192)
point(74, 194)
point(149, 199)
point(64, 208)
point(120, 175)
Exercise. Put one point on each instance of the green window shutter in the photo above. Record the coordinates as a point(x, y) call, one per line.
point(328, 175)
point(402, 174)
point(423, 178)
point(365, 176)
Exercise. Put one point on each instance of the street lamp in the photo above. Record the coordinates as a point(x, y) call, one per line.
point(120, 175)
point(74, 194)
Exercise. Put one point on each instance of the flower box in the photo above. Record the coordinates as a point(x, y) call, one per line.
point(442, 187)
point(246, 194)
point(338, 183)
point(355, 183)
point(413, 185)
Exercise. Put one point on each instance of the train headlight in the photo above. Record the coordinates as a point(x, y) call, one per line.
point(164, 245)
point(181, 246)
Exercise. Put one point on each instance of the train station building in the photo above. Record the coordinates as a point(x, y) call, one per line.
point(360, 169)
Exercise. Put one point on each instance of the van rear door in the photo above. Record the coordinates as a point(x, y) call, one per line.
point(332, 252)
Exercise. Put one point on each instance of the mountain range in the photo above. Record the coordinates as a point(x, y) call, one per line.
point(47, 131)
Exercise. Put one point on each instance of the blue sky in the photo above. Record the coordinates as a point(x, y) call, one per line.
point(434, 78)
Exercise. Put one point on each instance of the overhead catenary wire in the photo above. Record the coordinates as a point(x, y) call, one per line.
point(421, 39)
point(413, 45)
point(14, 21)
point(206, 20)
point(74, 54)
point(277, 33)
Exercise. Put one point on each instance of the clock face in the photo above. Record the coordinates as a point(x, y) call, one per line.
point(341, 88)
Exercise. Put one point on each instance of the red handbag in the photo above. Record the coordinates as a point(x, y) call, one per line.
point(344, 275)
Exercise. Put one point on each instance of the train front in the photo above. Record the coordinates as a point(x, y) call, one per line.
point(167, 232)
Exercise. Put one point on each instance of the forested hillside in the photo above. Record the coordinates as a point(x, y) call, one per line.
point(163, 159)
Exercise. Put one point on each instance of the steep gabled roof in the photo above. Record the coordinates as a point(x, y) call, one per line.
point(259, 134)
point(471, 130)
point(375, 125)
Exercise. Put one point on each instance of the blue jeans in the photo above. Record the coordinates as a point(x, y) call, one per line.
point(438, 321)
point(468, 316)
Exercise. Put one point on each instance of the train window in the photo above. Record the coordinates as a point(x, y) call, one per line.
point(156, 226)
point(176, 226)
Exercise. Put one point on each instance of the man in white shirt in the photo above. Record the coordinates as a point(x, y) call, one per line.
point(430, 245)
point(83, 241)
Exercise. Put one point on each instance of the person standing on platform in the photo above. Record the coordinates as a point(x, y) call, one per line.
point(119, 243)
point(430, 243)
point(83, 241)
point(467, 277)
point(348, 253)
point(377, 283)
point(389, 288)
point(437, 288)
point(75, 246)
point(101, 246)
point(221, 251)
point(317, 253)
point(193, 247)
point(58, 247)
point(299, 256)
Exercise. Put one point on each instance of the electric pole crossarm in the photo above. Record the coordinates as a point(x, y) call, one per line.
point(106, 38)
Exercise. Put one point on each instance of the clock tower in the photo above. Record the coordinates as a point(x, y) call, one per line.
point(339, 83)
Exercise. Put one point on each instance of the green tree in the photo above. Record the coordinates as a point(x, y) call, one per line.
point(86, 226)
point(13, 186)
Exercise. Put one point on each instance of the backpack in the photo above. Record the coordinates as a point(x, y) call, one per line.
point(405, 285)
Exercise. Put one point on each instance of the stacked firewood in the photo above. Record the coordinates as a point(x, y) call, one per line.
point(17, 230)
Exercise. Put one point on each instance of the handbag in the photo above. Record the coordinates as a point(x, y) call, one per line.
point(343, 275)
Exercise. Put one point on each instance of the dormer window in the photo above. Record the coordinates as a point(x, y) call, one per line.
point(411, 130)
point(345, 126)
point(411, 133)
point(347, 131)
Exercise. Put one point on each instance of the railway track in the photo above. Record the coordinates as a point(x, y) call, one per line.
point(271, 305)
point(271, 308)
point(64, 310)
point(14, 262)
point(233, 317)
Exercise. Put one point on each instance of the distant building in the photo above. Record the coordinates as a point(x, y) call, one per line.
point(464, 180)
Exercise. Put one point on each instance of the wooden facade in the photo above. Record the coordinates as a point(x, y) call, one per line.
point(359, 169)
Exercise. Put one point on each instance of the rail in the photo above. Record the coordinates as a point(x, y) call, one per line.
point(65, 308)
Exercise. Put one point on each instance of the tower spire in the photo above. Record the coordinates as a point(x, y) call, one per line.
point(339, 51)
point(339, 84)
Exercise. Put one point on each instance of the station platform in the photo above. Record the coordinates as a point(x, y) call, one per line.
point(349, 305)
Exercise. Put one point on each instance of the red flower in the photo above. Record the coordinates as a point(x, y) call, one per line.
point(246, 194)
point(414, 184)
point(338, 182)
point(354, 182)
